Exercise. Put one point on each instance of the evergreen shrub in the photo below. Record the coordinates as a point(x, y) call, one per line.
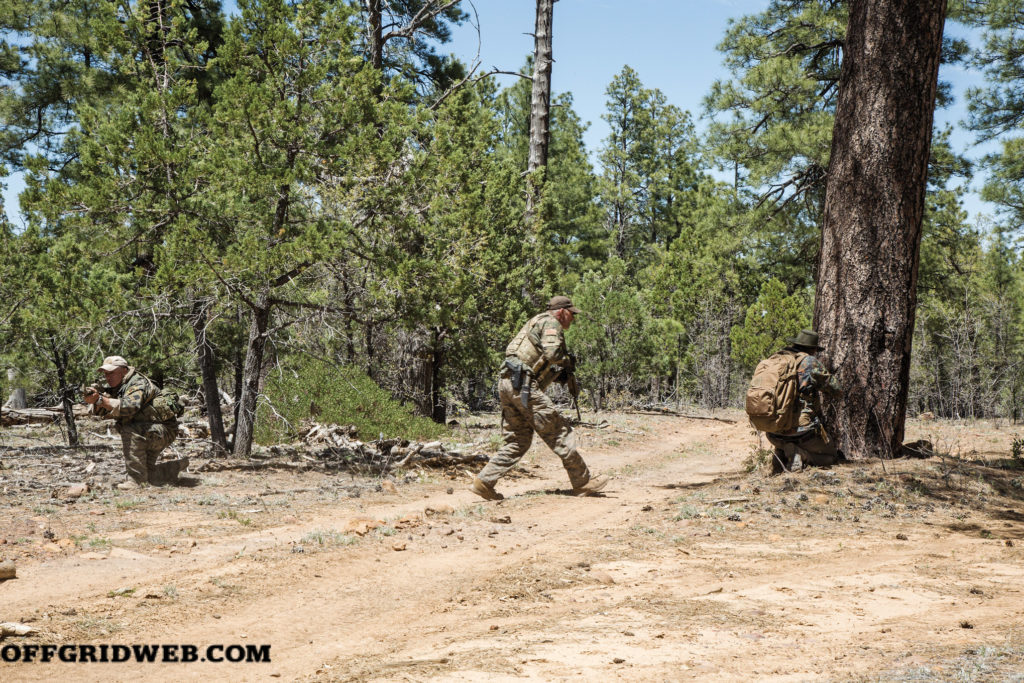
point(343, 395)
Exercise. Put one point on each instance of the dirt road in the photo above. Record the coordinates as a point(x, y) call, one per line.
point(688, 568)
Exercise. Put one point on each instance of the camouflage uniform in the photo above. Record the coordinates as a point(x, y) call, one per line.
point(810, 440)
point(146, 428)
point(539, 349)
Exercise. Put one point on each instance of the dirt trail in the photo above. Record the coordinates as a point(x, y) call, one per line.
point(688, 568)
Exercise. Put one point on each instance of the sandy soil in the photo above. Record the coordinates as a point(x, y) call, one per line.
point(689, 567)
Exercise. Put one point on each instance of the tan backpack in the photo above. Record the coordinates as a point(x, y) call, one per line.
point(771, 397)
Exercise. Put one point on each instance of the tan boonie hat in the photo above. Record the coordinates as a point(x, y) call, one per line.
point(111, 363)
point(558, 302)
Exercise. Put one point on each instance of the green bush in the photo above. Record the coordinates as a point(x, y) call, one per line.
point(344, 396)
point(769, 321)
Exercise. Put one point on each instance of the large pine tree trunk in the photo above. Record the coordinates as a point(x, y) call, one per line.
point(874, 203)
point(246, 421)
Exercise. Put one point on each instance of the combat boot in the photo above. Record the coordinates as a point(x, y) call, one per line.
point(484, 491)
point(797, 464)
point(175, 468)
point(591, 487)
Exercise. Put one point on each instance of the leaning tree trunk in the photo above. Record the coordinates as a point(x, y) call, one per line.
point(540, 105)
point(246, 421)
point(874, 203)
point(208, 372)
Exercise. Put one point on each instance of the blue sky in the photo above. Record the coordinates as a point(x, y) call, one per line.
point(669, 43)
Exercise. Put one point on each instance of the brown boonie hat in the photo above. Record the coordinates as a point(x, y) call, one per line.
point(111, 363)
point(808, 338)
point(558, 302)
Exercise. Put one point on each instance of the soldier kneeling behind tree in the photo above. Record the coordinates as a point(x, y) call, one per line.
point(146, 418)
point(784, 401)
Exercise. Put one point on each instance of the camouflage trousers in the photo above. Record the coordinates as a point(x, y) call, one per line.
point(814, 449)
point(520, 423)
point(142, 443)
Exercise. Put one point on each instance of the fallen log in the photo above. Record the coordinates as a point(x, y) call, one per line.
point(41, 416)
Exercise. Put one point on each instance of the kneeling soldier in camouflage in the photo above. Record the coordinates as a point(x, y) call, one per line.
point(808, 442)
point(534, 359)
point(145, 419)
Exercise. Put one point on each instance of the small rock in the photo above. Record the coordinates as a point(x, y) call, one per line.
point(966, 624)
point(450, 491)
point(618, 660)
point(13, 628)
point(494, 627)
point(1009, 543)
point(76, 491)
point(398, 547)
point(8, 570)
point(646, 508)
point(901, 537)
point(501, 520)
point(602, 577)
point(360, 526)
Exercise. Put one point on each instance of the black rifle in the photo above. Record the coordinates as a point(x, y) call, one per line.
point(572, 386)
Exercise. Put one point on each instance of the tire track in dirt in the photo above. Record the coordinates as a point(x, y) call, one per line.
point(354, 597)
point(571, 586)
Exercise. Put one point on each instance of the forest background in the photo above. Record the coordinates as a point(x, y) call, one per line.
point(309, 201)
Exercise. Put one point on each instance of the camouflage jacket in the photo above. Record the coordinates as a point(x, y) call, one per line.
point(813, 378)
point(135, 395)
point(540, 346)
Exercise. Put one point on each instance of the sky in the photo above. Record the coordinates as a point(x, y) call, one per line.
point(669, 43)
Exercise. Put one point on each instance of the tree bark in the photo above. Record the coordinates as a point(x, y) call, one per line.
point(17, 398)
point(60, 359)
point(208, 373)
point(540, 105)
point(374, 33)
point(874, 203)
point(439, 405)
point(246, 420)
